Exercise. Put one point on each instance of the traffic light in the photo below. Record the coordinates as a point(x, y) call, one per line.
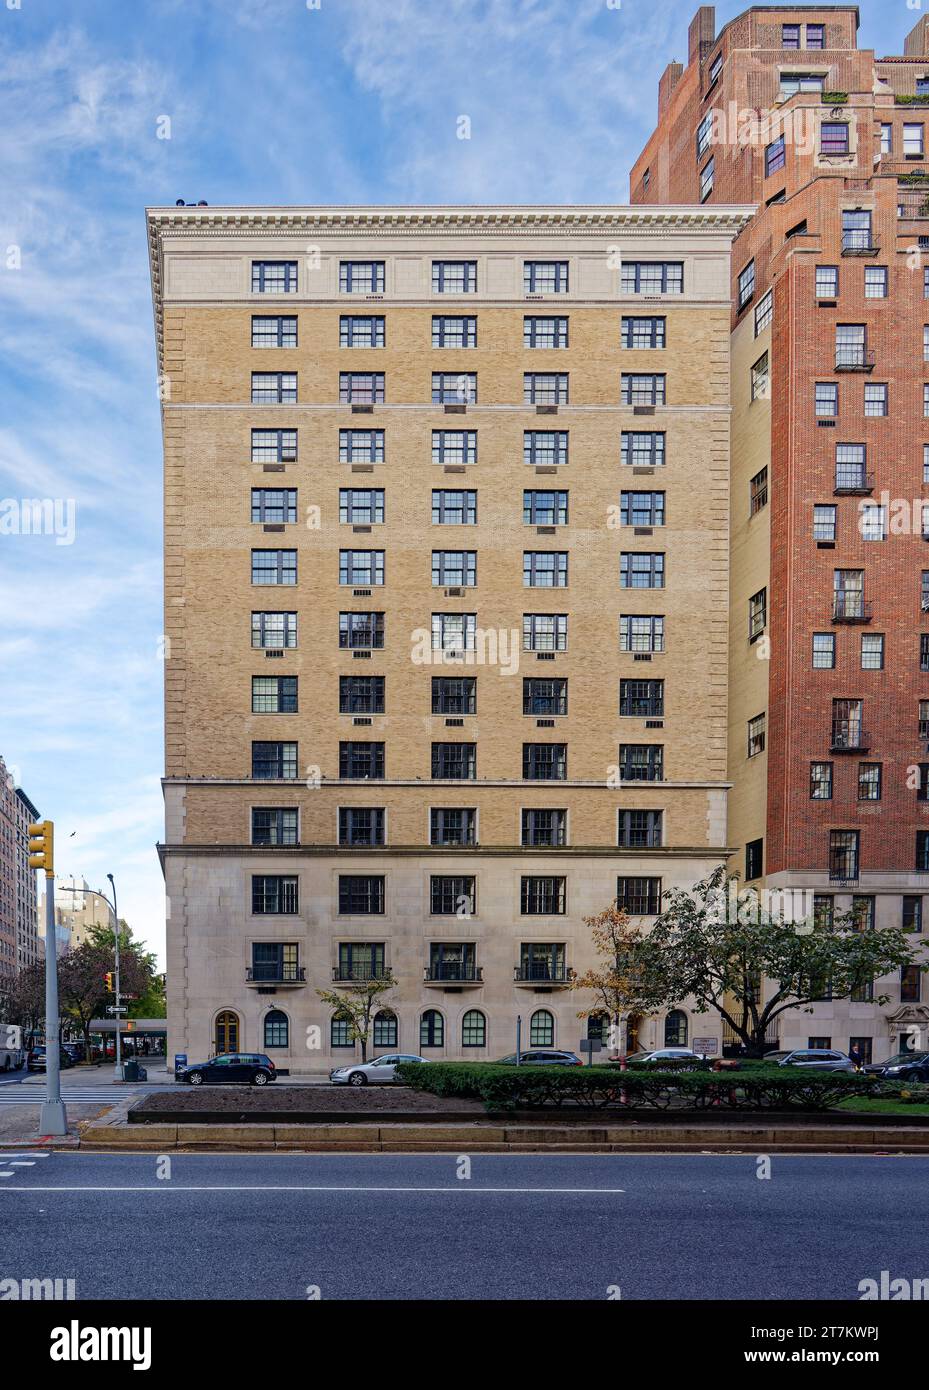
point(108, 981)
point(42, 846)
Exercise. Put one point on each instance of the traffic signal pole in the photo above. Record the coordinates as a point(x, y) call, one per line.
point(53, 1119)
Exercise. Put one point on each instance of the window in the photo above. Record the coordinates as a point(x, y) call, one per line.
point(827, 282)
point(815, 36)
point(452, 825)
point(276, 1029)
point(341, 1033)
point(454, 568)
point(431, 1029)
point(545, 448)
point(275, 630)
point(643, 333)
point(872, 651)
point(764, 312)
point(641, 570)
point(274, 825)
point(875, 398)
point(827, 398)
point(923, 727)
point(756, 735)
point(385, 1028)
point(545, 277)
point(823, 909)
point(545, 632)
point(912, 140)
point(706, 179)
point(545, 508)
point(274, 446)
point(639, 388)
point(454, 695)
point(361, 694)
point(910, 981)
point(454, 507)
point(361, 277)
point(548, 697)
point(362, 506)
point(273, 332)
point(760, 377)
point(823, 651)
point(274, 388)
point(846, 724)
point(856, 229)
point(273, 761)
point(758, 492)
point(850, 465)
point(361, 631)
point(820, 781)
point(872, 521)
point(887, 137)
point(361, 331)
point(454, 762)
point(848, 594)
point(922, 789)
point(833, 137)
point(274, 694)
point(775, 156)
point(640, 897)
point(545, 333)
point(361, 960)
point(754, 855)
point(641, 762)
point(704, 133)
point(869, 781)
point(274, 277)
point(641, 699)
point(542, 1029)
point(274, 567)
point(843, 855)
point(453, 632)
point(454, 446)
point(274, 893)
point(875, 282)
point(793, 82)
point(545, 569)
point(454, 277)
point(451, 895)
point(274, 505)
point(361, 825)
point(675, 1029)
point(545, 762)
point(716, 68)
point(545, 388)
point(542, 896)
point(924, 651)
point(474, 1029)
point(638, 633)
point(454, 388)
point(757, 614)
point(544, 828)
point(361, 761)
point(361, 446)
point(922, 86)
point(790, 35)
point(912, 913)
point(459, 332)
point(639, 829)
point(643, 449)
point(361, 388)
point(922, 851)
point(361, 894)
point(361, 568)
point(746, 284)
point(652, 277)
point(926, 400)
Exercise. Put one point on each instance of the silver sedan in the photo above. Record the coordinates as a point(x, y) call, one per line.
point(378, 1072)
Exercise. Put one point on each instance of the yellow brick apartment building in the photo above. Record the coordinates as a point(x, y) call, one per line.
point(446, 610)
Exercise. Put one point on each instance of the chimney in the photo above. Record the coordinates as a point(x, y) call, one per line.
point(916, 43)
point(666, 84)
point(702, 33)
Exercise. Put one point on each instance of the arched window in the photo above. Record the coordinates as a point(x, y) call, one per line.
point(340, 1031)
point(474, 1029)
point(598, 1028)
point(385, 1029)
point(675, 1029)
point(277, 1029)
point(542, 1029)
point(432, 1029)
point(227, 1031)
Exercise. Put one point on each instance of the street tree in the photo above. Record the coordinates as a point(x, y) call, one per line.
point(82, 987)
point(357, 1005)
point(625, 982)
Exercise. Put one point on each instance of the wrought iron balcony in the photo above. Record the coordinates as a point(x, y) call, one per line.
point(854, 357)
point(843, 868)
point(853, 483)
point(850, 608)
point(275, 975)
point(359, 974)
point(453, 973)
point(859, 242)
point(849, 737)
point(542, 975)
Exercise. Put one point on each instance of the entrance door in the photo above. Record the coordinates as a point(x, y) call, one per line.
point(227, 1032)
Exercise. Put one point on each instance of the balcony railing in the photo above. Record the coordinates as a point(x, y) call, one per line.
point(275, 975)
point(853, 357)
point(843, 868)
point(852, 482)
point(859, 242)
point(359, 974)
point(849, 737)
point(454, 973)
point(541, 973)
point(850, 608)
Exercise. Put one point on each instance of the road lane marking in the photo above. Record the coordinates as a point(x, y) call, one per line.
point(269, 1187)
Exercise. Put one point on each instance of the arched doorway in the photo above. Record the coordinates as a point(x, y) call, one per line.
point(227, 1031)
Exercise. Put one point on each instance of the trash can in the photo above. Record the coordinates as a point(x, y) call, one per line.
point(131, 1071)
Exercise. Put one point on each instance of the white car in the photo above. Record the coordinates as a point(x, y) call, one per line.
point(381, 1071)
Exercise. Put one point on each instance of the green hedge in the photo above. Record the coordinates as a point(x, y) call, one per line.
point(530, 1087)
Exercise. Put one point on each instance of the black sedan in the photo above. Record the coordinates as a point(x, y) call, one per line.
point(903, 1066)
point(230, 1068)
point(36, 1059)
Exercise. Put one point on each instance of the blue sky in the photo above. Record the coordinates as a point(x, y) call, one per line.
point(270, 101)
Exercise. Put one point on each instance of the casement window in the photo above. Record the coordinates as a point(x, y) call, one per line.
point(856, 229)
point(361, 761)
point(823, 909)
point(275, 825)
point(456, 762)
point(274, 694)
point(474, 1029)
point(922, 789)
point(926, 400)
point(760, 378)
point(757, 614)
point(643, 332)
point(643, 449)
point(827, 398)
point(545, 507)
point(707, 175)
point(454, 388)
point(361, 694)
point(545, 762)
point(848, 594)
point(847, 723)
point(274, 388)
point(361, 568)
point(454, 507)
point(454, 632)
point(454, 446)
point(815, 36)
point(361, 825)
point(923, 726)
point(454, 277)
point(340, 1031)
point(274, 567)
point(764, 312)
point(640, 897)
point(454, 568)
point(758, 492)
point(869, 781)
point(913, 139)
point(545, 277)
point(872, 522)
point(754, 859)
point(704, 134)
point(912, 917)
point(824, 519)
point(643, 699)
point(641, 762)
point(361, 331)
point(793, 82)
point(639, 829)
point(431, 1029)
point(274, 277)
point(550, 697)
point(820, 781)
point(361, 388)
point(790, 35)
point(875, 398)
point(274, 505)
point(451, 895)
point(545, 448)
point(850, 467)
point(544, 332)
point(641, 508)
point(274, 630)
point(361, 631)
point(361, 894)
point(454, 695)
point(834, 137)
point(542, 896)
point(756, 735)
point(361, 960)
point(275, 331)
point(775, 156)
point(274, 446)
point(542, 1029)
point(875, 282)
point(887, 137)
point(545, 632)
point(454, 332)
point(640, 388)
point(361, 506)
point(545, 569)
point(361, 277)
point(272, 761)
point(641, 633)
point(453, 825)
point(545, 388)
point(746, 284)
point(652, 277)
point(641, 570)
point(361, 446)
point(924, 591)
point(827, 282)
point(274, 894)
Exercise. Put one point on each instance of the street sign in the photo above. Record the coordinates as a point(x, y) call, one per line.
point(591, 1044)
point(117, 1009)
point(707, 1047)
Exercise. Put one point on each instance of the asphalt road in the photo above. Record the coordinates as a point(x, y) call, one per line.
point(373, 1226)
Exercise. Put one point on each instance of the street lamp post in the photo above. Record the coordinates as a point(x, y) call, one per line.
point(53, 1119)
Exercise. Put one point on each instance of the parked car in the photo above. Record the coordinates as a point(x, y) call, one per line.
point(230, 1068)
point(666, 1054)
point(818, 1058)
point(541, 1057)
point(36, 1059)
point(380, 1071)
point(910, 1066)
